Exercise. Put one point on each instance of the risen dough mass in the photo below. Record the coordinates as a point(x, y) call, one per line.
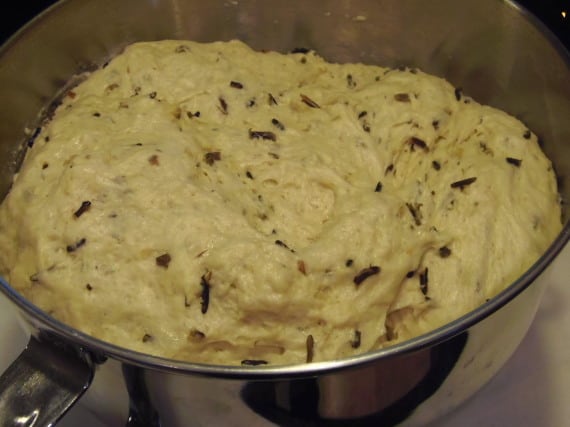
point(211, 203)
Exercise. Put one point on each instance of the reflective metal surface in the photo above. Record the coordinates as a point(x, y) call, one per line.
point(491, 49)
point(54, 377)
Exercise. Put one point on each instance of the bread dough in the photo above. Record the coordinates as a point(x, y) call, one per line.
point(210, 203)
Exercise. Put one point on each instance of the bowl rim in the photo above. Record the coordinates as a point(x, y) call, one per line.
point(97, 347)
point(93, 345)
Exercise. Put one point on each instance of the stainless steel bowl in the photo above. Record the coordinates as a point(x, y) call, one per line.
point(495, 51)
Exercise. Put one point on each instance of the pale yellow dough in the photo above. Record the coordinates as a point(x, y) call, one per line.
point(275, 182)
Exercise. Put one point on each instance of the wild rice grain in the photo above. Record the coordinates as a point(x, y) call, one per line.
point(310, 344)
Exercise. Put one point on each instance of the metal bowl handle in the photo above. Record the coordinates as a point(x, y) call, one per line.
point(43, 383)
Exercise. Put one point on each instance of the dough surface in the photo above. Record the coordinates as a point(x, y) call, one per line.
point(210, 203)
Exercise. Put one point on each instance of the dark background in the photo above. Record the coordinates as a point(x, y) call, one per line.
point(549, 11)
